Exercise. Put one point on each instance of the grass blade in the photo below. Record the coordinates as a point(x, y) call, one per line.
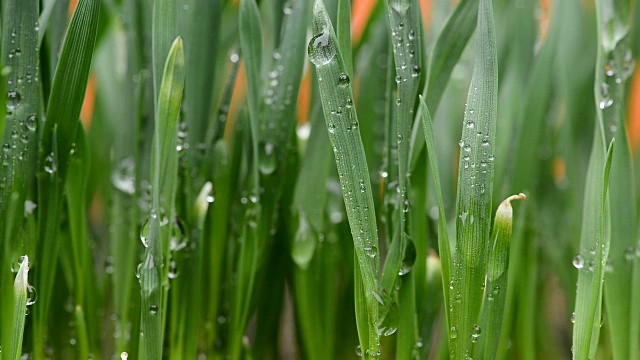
point(217, 231)
point(18, 123)
point(406, 30)
point(310, 206)
point(446, 52)
point(19, 55)
point(443, 236)
point(165, 30)
point(497, 275)
point(475, 187)
point(84, 277)
point(343, 31)
point(251, 45)
point(594, 247)
point(22, 293)
point(157, 231)
point(65, 102)
point(342, 124)
point(276, 121)
point(404, 20)
point(622, 291)
point(201, 45)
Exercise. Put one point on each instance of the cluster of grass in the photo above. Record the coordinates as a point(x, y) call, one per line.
point(327, 179)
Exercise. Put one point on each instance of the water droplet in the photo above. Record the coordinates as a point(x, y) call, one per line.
point(123, 176)
point(578, 262)
point(13, 99)
point(415, 71)
point(630, 253)
point(371, 251)
point(287, 8)
point(153, 309)
point(461, 143)
point(32, 295)
point(609, 68)
point(454, 332)
point(467, 148)
point(29, 206)
point(412, 35)
point(50, 165)
point(343, 80)
point(389, 313)
point(573, 317)
point(406, 205)
point(321, 48)
point(31, 123)
point(605, 99)
point(358, 351)
point(144, 233)
point(173, 270)
point(398, 79)
point(475, 334)
point(348, 103)
point(485, 142)
point(470, 124)
point(463, 217)
point(332, 127)
point(268, 159)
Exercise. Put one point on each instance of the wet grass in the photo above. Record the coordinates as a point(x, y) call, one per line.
point(320, 179)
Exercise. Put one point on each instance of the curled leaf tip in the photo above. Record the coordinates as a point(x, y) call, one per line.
point(508, 200)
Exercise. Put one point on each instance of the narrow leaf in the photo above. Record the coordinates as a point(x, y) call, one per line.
point(342, 124)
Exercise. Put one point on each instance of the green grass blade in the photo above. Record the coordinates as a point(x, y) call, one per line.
point(21, 299)
point(18, 123)
point(164, 32)
point(43, 20)
point(217, 223)
point(343, 31)
point(404, 20)
point(251, 45)
point(83, 339)
point(276, 122)
point(622, 291)
point(246, 267)
point(246, 270)
point(475, 187)
point(164, 170)
point(310, 207)
point(84, 278)
point(216, 132)
point(594, 247)
point(496, 285)
point(342, 123)
point(446, 52)
point(59, 132)
point(201, 36)
point(19, 117)
point(443, 236)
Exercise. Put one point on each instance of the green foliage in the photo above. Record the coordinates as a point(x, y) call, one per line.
point(234, 190)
